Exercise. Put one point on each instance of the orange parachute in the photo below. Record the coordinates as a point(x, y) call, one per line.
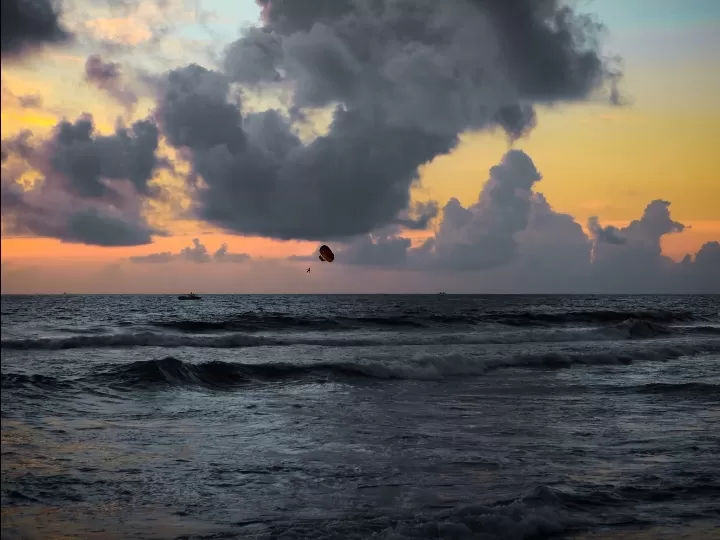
point(326, 254)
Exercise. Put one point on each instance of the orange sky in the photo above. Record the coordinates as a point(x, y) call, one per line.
point(595, 160)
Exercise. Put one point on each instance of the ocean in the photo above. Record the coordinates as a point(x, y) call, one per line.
point(349, 417)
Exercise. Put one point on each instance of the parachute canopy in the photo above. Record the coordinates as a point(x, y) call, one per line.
point(326, 254)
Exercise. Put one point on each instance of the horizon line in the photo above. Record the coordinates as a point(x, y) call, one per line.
point(380, 294)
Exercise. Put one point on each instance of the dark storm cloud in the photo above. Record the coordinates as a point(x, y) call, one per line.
point(89, 160)
point(107, 76)
point(92, 187)
point(29, 24)
point(37, 213)
point(93, 227)
point(405, 78)
point(194, 111)
point(253, 58)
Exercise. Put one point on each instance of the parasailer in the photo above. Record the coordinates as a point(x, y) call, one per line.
point(326, 254)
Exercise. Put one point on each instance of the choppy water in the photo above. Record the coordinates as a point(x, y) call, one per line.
point(491, 417)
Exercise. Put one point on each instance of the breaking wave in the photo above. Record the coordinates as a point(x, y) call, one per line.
point(171, 371)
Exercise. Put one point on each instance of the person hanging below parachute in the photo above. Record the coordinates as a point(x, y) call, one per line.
point(326, 255)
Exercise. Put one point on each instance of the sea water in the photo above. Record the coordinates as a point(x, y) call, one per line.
point(379, 416)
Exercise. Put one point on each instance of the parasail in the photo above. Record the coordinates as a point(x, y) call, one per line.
point(326, 254)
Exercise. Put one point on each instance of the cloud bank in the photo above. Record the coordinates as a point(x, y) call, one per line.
point(91, 188)
point(511, 233)
point(434, 71)
point(405, 79)
point(197, 253)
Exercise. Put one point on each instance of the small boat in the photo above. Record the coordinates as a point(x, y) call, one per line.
point(191, 296)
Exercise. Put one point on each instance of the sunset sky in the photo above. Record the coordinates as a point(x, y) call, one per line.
point(595, 158)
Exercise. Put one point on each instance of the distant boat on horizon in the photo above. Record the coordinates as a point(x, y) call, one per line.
point(191, 296)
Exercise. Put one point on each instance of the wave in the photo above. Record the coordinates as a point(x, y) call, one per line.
point(260, 322)
point(174, 371)
point(171, 371)
point(218, 374)
point(627, 330)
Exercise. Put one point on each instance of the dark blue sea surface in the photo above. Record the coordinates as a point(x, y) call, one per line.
point(380, 416)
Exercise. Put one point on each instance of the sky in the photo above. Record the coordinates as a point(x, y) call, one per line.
point(212, 146)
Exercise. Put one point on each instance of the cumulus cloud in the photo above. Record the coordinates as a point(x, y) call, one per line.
point(512, 235)
point(197, 253)
point(483, 235)
point(404, 84)
point(107, 76)
point(609, 234)
point(28, 25)
point(223, 255)
point(91, 187)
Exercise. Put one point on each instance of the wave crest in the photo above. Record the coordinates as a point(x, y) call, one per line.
point(170, 371)
point(626, 330)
